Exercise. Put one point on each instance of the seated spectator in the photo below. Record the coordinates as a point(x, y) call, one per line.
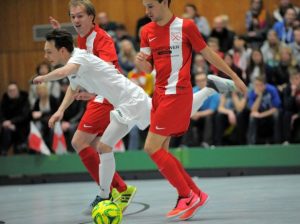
point(122, 34)
point(126, 56)
point(228, 58)
point(44, 107)
point(279, 75)
point(295, 46)
point(257, 23)
point(241, 53)
point(278, 13)
point(191, 12)
point(15, 120)
point(53, 87)
point(256, 66)
point(231, 119)
point(291, 106)
point(72, 114)
point(271, 49)
point(223, 34)
point(199, 65)
point(202, 122)
point(285, 28)
point(106, 24)
point(139, 24)
point(213, 43)
point(264, 104)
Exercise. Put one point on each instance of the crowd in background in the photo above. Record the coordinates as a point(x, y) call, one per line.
point(266, 57)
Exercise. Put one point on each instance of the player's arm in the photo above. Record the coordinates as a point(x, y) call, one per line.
point(57, 74)
point(219, 63)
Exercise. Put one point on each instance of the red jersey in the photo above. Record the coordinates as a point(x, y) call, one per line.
point(170, 47)
point(98, 42)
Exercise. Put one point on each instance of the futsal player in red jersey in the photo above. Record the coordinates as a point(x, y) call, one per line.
point(166, 45)
point(97, 115)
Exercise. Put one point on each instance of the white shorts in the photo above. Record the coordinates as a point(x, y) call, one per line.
point(134, 111)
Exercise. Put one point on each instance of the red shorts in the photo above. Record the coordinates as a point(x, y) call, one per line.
point(170, 114)
point(96, 117)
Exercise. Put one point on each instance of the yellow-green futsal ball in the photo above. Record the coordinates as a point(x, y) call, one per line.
point(107, 212)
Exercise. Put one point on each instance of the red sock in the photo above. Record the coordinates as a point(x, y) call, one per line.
point(187, 177)
point(168, 168)
point(118, 183)
point(90, 159)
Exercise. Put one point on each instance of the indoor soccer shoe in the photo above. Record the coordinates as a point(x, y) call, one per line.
point(126, 197)
point(219, 84)
point(190, 213)
point(88, 211)
point(183, 205)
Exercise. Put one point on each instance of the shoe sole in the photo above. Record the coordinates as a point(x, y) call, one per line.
point(129, 201)
point(181, 213)
point(196, 210)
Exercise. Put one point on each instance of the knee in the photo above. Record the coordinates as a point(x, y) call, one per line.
point(148, 149)
point(78, 144)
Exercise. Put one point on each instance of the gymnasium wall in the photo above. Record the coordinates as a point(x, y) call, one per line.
point(19, 54)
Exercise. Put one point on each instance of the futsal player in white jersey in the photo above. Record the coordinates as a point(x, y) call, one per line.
point(131, 104)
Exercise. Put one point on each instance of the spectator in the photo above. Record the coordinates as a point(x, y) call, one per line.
point(44, 107)
point(228, 58)
point(122, 34)
point(257, 23)
point(256, 66)
point(202, 122)
point(279, 76)
point(264, 103)
point(106, 24)
point(271, 49)
point(284, 29)
point(15, 120)
point(140, 23)
point(191, 12)
point(199, 65)
point(291, 106)
point(72, 114)
point(240, 52)
point(223, 34)
point(53, 87)
point(126, 56)
point(232, 116)
point(213, 43)
point(278, 13)
point(295, 46)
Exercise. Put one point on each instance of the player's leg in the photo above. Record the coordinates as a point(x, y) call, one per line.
point(169, 169)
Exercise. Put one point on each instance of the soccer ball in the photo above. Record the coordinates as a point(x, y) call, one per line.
point(107, 212)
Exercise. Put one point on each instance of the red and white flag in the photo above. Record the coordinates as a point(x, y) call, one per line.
point(119, 147)
point(36, 141)
point(59, 145)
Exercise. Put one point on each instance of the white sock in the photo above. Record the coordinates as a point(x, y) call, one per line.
point(107, 170)
point(199, 98)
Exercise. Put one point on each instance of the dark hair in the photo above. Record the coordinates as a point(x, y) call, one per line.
point(194, 7)
point(89, 7)
point(62, 38)
point(261, 78)
point(169, 2)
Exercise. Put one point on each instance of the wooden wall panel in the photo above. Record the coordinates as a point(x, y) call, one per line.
point(19, 54)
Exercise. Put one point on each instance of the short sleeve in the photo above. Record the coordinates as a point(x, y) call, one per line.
point(105, 49)
point(145, 47)
point(194, 36)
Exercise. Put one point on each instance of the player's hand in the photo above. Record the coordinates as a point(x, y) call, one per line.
point(54, 23)
point(84, 96)
point(38, 80)
point(241, 86)
point(57, 116)
point(141, 57)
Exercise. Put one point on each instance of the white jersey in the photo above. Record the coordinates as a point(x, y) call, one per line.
point(132, 105)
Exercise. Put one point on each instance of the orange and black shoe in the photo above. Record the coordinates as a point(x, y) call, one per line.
point(183, 205)
point(191, 212)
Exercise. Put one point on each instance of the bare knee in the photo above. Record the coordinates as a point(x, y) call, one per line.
point(78, 144)
point(103, 148)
